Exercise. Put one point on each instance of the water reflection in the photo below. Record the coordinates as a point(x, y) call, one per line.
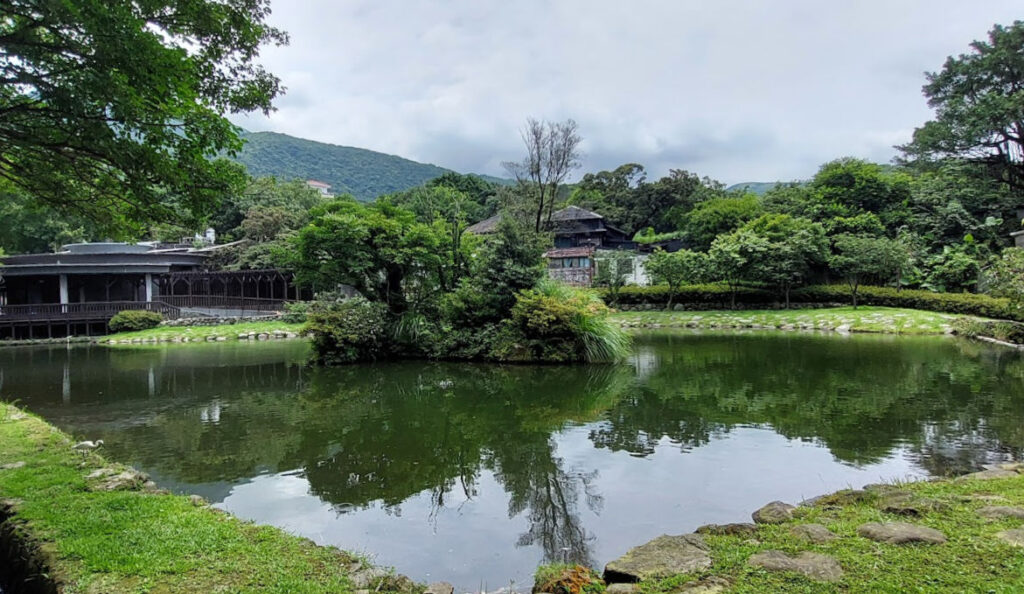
point(484, 470)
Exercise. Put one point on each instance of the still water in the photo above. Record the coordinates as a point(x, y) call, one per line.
point(474, 474)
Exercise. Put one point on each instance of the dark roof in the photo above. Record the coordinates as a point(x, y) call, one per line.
point(573, 252)
point(574, 213)
point(485, 226)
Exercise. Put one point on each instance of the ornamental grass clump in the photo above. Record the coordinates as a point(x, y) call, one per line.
point(558, 323)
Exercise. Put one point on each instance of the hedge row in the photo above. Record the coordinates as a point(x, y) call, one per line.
point(717, 295)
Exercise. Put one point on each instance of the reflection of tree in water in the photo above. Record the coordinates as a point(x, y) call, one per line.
point(539, 486)
point(379, 434)
point(954, 405)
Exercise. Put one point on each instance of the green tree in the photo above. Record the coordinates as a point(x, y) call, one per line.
point(857, 257)
point(717, 216)
point(794, 247)
point(736, 258)
point(612, 270)
point(380, 250)
point(676, 268)
point(955, 268)
point(552, 153)
point(114, 110)
point(263, 192)
point(1006, 276)
point(979, 110)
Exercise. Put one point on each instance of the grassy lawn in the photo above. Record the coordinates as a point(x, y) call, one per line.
point(228, 331)
point(863, 319)
point(134, 540)
point(972, 560)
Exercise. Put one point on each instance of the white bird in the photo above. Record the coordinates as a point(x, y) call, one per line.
point(87, 446)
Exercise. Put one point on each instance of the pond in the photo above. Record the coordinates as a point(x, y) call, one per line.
point(475, 474)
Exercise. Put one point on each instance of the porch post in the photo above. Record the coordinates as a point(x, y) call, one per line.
point(149, 288)
point(64, 292)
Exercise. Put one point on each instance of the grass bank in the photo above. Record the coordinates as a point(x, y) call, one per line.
point(98, 527)
point(977, 518)
point(200, 333)
point(886, 320)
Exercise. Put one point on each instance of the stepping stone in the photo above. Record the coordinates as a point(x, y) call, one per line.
point(615, 589)
point(12, 465)
point(996, 512)
point(906, 504)
point(816, 533)
point(900, 533)
point(662, 557)
point(738, 529)
point(439, 588)
point(775, 512)
point(1012, 537)
point(816, 566)
point(839, 498)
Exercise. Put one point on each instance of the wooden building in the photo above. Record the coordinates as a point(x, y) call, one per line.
point(78, 289)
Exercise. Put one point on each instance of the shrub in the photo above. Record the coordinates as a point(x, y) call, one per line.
point(132, 320)
point(558, 323)
point(296, 312)
point(348, 331)
point(714, 296)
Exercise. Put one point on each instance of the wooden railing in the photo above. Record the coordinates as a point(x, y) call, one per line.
point(223, 302)
point(100, 310)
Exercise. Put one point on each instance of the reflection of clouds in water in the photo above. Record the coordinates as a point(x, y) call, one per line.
point(645, 360)
point(210, 413)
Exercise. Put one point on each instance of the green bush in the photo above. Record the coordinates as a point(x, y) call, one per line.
point(348, 331)
point(714, 296)
point(132, 320)
point(556, 323)
point(296, 312)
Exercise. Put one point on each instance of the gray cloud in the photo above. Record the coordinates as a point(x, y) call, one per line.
point(739, 90)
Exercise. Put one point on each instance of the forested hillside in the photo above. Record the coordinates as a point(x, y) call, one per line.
point(363, 173)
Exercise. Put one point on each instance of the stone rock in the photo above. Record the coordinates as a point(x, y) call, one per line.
point(815, 533)
point(737, 529)
point(129, 480)
point(1013, 466)
point(996, 512)
point(222, 338)
point(995, 473)
point(839, 498)
point(709, 585)
point(262, 336)
point(100, 473)
point(1012, 537)
point(775, 512)
point(906, 504)
point(197, 501)
point(984, 498)
point(813, 565)
point(243, 336)
point(368, 577)
point(12, 465)
point(662, 557)
point(900, 533)
point(882, 489)
point(622, 589)
point(439, 588)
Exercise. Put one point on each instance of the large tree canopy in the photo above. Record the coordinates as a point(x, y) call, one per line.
point(978, 99)
point(115, 110)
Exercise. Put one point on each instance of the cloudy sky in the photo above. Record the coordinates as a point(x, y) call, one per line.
point(737, 90)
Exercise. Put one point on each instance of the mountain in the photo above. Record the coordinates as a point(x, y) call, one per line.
point(758, 188)
point(363, 173)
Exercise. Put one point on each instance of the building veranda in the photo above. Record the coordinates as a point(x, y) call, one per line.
point(76, 290)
